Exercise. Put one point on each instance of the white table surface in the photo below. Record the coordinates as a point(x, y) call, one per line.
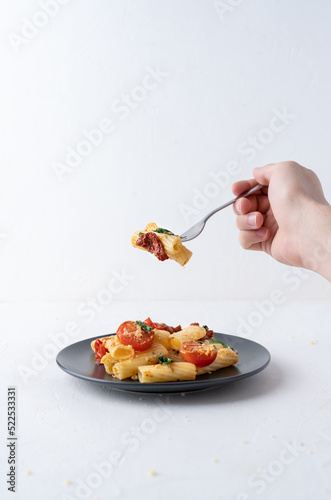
point(268, 436)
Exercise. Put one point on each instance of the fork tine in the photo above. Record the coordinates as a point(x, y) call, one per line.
point(193, 232)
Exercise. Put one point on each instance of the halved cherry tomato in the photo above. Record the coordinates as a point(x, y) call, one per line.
point(129, 333)
point(149, 322)
point(162, 326)
point(100, 350)
point(198, 354)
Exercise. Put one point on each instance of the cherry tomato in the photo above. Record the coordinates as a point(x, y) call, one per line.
point(198, 354)
point(149, 322)
point(100, 350)
point(129, 333)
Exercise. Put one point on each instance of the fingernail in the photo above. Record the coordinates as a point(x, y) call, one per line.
point(251, 219)
point(238, 205)
point(261, 233)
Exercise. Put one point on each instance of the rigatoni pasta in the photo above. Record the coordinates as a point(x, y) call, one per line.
point(164, 372)
point(108, 361)
point(155, 352)
point(188, 334)
point(225, 357)
point(163, 337)
point(129, 367)
point(121, 352)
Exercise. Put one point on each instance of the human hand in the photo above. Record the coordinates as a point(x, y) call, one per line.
point(290, 219)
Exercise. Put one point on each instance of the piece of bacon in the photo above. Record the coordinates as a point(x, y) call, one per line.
point(209, 335)
point(162, 326)
point(152, 244)
point(170, 329)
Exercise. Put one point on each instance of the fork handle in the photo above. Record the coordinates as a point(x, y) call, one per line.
point(243, 195)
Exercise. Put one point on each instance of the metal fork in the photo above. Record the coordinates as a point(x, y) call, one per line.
point(195, 230)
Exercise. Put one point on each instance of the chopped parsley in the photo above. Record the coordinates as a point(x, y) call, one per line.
point(140, 234)
point(215, 341)
point(164, 231)
point(144, 327)
point(164, 359)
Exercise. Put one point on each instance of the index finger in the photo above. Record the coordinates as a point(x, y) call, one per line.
point(250, 203)
point(254, 203)
point(241, 186)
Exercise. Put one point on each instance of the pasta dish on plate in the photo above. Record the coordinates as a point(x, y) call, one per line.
point(155, 352)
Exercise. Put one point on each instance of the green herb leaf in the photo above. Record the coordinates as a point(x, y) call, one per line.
point(164, 359)
point(144, 327)
point(164, 231)
point(205, 327)
point(140, 234)
point(215, 341)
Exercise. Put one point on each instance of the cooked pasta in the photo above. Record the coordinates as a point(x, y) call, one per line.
point(111, 342)
point(167, 372)
point(120, 352)
point(129, 367)
point(225, 357)
point(190, 333)
point(174, 355)
point(163, 337)
point(108, 361)
point(162, 243)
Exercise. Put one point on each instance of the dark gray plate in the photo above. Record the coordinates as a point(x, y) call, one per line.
point(78, 360)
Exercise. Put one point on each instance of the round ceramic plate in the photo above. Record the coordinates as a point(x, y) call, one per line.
point(78, 360)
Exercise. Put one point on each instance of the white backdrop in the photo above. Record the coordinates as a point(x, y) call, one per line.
point(115, 114)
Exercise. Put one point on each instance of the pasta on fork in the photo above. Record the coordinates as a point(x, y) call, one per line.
point(155, 352)
point(162, 243)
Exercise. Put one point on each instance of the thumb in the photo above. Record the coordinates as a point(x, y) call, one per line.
point(263, 174)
